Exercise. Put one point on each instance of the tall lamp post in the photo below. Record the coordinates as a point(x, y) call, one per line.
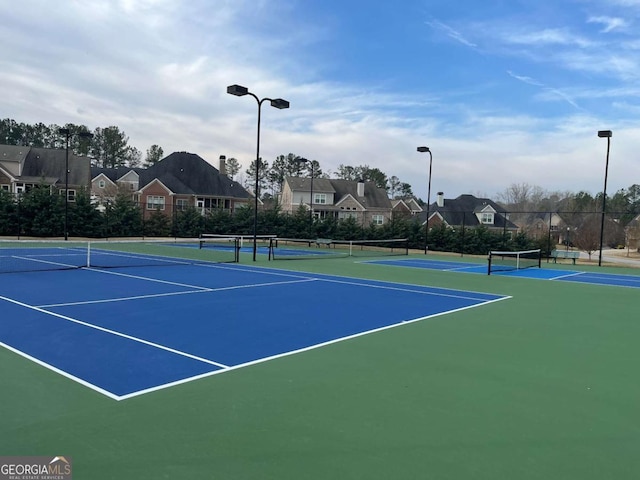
point(68, 134)
point(426, 229)
point(240, 91)
point(604, 134)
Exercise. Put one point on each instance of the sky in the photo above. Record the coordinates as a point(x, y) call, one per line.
point(503, 92)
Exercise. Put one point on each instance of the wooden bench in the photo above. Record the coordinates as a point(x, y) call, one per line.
point(569, 254)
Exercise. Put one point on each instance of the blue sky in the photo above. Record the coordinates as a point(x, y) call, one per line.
point(503, 91)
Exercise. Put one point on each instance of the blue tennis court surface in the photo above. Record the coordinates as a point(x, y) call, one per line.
point(539, 273)
point(134, 330)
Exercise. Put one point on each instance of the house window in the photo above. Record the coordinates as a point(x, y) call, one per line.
point(155, 202)
point(19, 188)
point(487, 219)
point(182, 204)
point(377, 219)
point(320, 198)
point(101, 183)
point(345, 215)
point(71, 196)
point(5, 187)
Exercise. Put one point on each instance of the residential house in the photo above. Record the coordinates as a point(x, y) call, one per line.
point(405, 207)
point(540, 225)
point(336, 198)
point(22, 168)
point(176, 182)
point(106, 183)
point(468, 211)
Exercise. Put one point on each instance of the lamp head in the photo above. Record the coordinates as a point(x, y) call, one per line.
point(423, 149)
point(237, 90)
point(64, 131)
point(605, 133)
point(280, 103)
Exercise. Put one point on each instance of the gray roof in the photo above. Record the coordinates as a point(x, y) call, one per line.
point(461, 211)
point(113, 174)
point(188, 174)
point(374, 197)
point(303, 184)
point(45, 165)
point(183, 173)
point(47, 162)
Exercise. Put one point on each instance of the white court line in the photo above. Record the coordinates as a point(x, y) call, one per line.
point(156, 295)
point(61, 372)
point(574, 274)
point(408, 290)
point(347, 280)
point(304, 349)
point(37, 260)
point(113, 332)
point(122, 299)
point(148, 279)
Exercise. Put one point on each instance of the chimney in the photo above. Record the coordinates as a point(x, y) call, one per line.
point(440, 199)
point(360, 190)
point(223, 165)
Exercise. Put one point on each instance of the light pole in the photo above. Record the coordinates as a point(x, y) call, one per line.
point(68, 134)
point(426, 229)
point(240, 91)
point(567, 239)
point(604, 134)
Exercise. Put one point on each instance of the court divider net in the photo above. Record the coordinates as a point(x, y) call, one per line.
point(244, 240)
point(41, 255)
point(506, 261)
point(300, 249)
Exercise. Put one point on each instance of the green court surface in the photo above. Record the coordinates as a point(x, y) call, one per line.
point(543, 385)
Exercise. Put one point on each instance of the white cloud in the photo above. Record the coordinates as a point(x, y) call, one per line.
point(450, 32)
point(548, 36)
point(609, 23)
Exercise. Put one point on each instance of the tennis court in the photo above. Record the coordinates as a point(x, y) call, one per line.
point(129, 330)
point(528, 379)
point(595, 278)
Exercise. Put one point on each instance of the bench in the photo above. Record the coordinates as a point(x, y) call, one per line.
point(570, 254)
point(324, 242)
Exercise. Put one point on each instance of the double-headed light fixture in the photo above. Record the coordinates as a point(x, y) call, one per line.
point(240, 91)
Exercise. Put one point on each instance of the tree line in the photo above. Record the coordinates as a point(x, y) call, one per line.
point(109, 147)
point(271, 176)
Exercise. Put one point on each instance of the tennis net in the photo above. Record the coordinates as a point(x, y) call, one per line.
point(506, 261)
point(208, 240)
point(40, 255)
point(300, 249)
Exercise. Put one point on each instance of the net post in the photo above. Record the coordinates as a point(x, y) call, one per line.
point(88, 254)
point(489, 264)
